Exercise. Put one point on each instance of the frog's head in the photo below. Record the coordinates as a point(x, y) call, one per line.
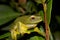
point(30, 20)
point(33, 19)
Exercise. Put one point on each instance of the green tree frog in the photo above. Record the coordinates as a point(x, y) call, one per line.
point(22, 25)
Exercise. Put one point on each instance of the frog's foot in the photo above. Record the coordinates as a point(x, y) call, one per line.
point(14, 35)
point(39, 32)
point(26, 32)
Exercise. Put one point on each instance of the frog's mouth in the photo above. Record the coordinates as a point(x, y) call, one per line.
point(31, 25)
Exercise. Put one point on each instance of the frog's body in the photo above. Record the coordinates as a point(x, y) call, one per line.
point(23, 23)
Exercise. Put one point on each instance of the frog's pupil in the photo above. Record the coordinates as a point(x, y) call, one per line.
point(33, 18)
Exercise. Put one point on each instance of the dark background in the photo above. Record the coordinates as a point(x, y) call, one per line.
point(55, 12)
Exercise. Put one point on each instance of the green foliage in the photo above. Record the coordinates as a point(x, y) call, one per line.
point(5, 35)
point(49, 8)
point(7, 14)
point(36, 38)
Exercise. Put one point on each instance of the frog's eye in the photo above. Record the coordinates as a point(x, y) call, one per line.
point(32, 17)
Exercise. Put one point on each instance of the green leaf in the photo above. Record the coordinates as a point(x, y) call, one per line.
point(4, 35)
point(41, 14)
point(49, 8)
point(36, 38)
point(7, 14)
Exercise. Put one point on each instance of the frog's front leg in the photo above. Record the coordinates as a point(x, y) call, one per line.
point(14, 35)
point(39, 32)
point(14, 32)
point(23, 29)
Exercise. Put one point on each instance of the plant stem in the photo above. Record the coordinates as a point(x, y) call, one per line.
point(45, 20)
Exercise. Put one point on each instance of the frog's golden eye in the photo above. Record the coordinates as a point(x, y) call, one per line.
point(32, 17)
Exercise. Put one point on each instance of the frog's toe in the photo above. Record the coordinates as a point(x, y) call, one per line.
point(28, 32)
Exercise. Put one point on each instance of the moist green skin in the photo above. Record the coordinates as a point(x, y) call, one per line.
point(29, 20)
point(23, 23)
